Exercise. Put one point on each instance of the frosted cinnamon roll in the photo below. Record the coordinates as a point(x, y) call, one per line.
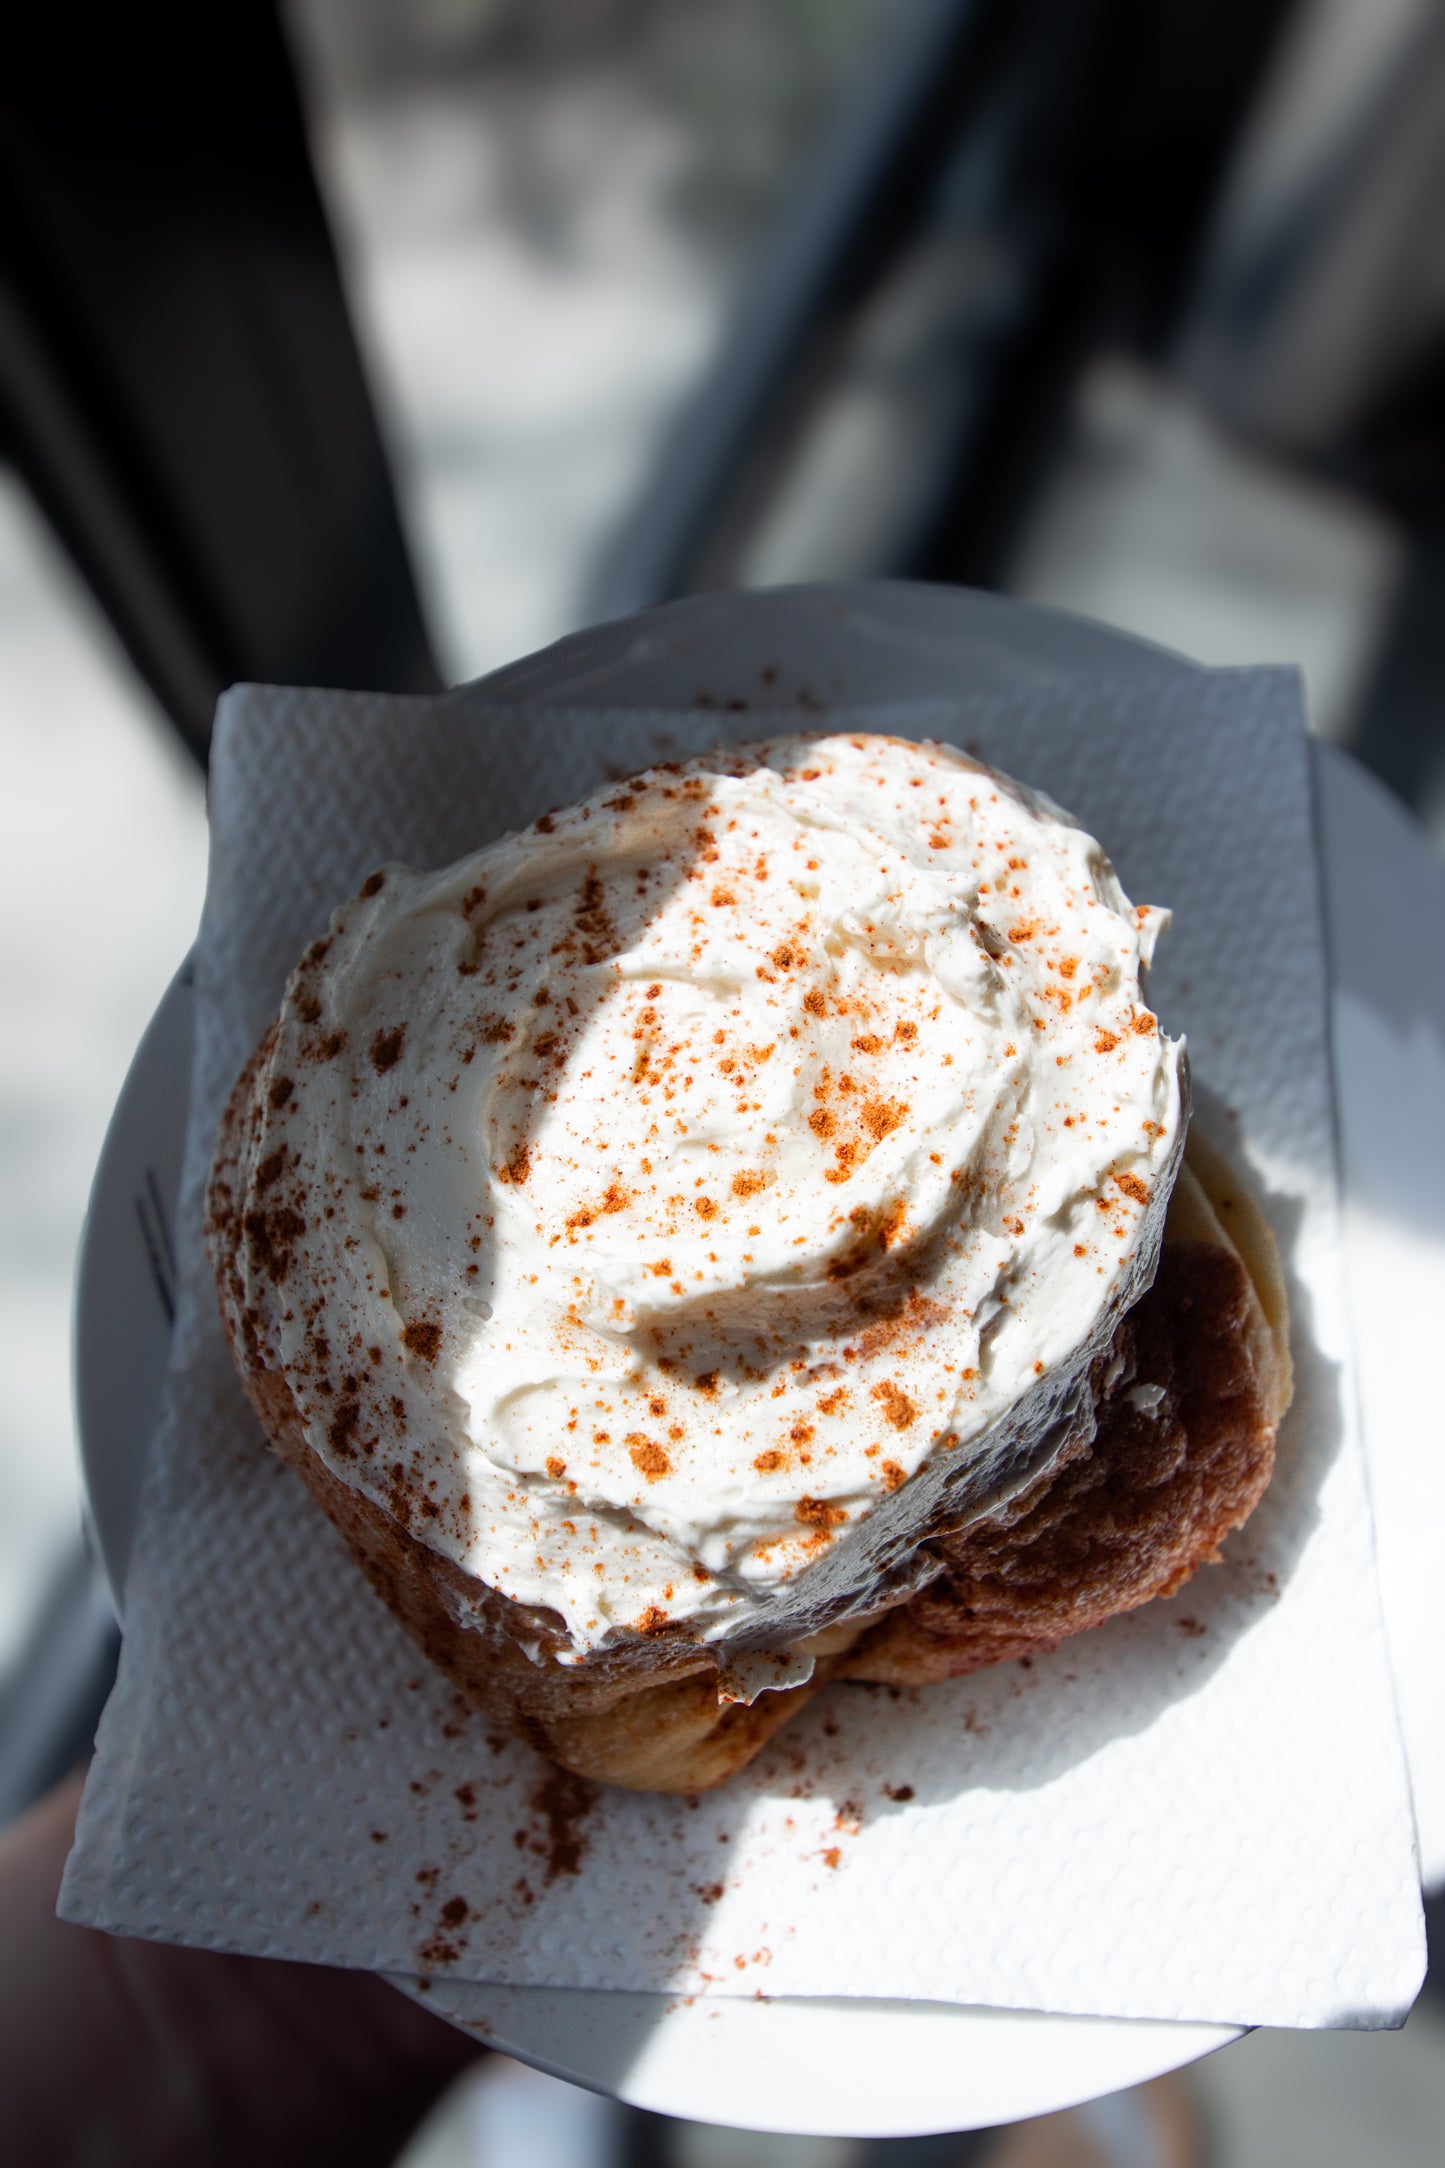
point(666, 1240)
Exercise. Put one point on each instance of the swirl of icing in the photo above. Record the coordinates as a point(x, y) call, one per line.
point(679, 1207)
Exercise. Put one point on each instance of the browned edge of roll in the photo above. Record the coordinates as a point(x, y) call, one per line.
point(1133, 1514)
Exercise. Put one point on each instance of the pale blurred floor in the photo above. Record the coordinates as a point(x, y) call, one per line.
point(1272, 2100)
point(1328, 2100)
point(1160, 524)
point(102, 868)
point(524, 386)
point(541, 236)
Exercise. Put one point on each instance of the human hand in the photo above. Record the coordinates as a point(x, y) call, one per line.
point(141, 2053)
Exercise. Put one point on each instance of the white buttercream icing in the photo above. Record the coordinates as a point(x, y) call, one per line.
point(677, 1206)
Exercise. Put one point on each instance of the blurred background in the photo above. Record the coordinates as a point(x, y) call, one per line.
point(422, 332)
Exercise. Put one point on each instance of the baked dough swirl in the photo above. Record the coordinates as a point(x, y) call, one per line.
point(663, 1239)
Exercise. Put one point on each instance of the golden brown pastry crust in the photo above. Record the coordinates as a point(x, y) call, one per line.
point(1132, 1514)
point(1115, 1522)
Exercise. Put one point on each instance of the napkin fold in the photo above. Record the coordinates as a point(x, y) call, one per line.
point(1197, 1812)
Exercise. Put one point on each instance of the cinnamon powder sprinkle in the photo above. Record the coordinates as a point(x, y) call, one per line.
point(423, 1339)
point(899, 1410)
point(882, 1116)
point(564, 1801)
point(647, 1456)
point(819, 1513)
point(385, 1049)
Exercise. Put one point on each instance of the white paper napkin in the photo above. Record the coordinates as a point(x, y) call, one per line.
point(1198, 1812)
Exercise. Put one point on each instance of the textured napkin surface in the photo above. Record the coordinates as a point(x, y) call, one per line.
point(1197, 1812)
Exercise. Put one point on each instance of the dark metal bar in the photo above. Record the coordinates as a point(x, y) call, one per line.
point(179, 381)
point(1399, 728)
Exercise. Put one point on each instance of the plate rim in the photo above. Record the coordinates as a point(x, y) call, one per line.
point(163, 1058)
